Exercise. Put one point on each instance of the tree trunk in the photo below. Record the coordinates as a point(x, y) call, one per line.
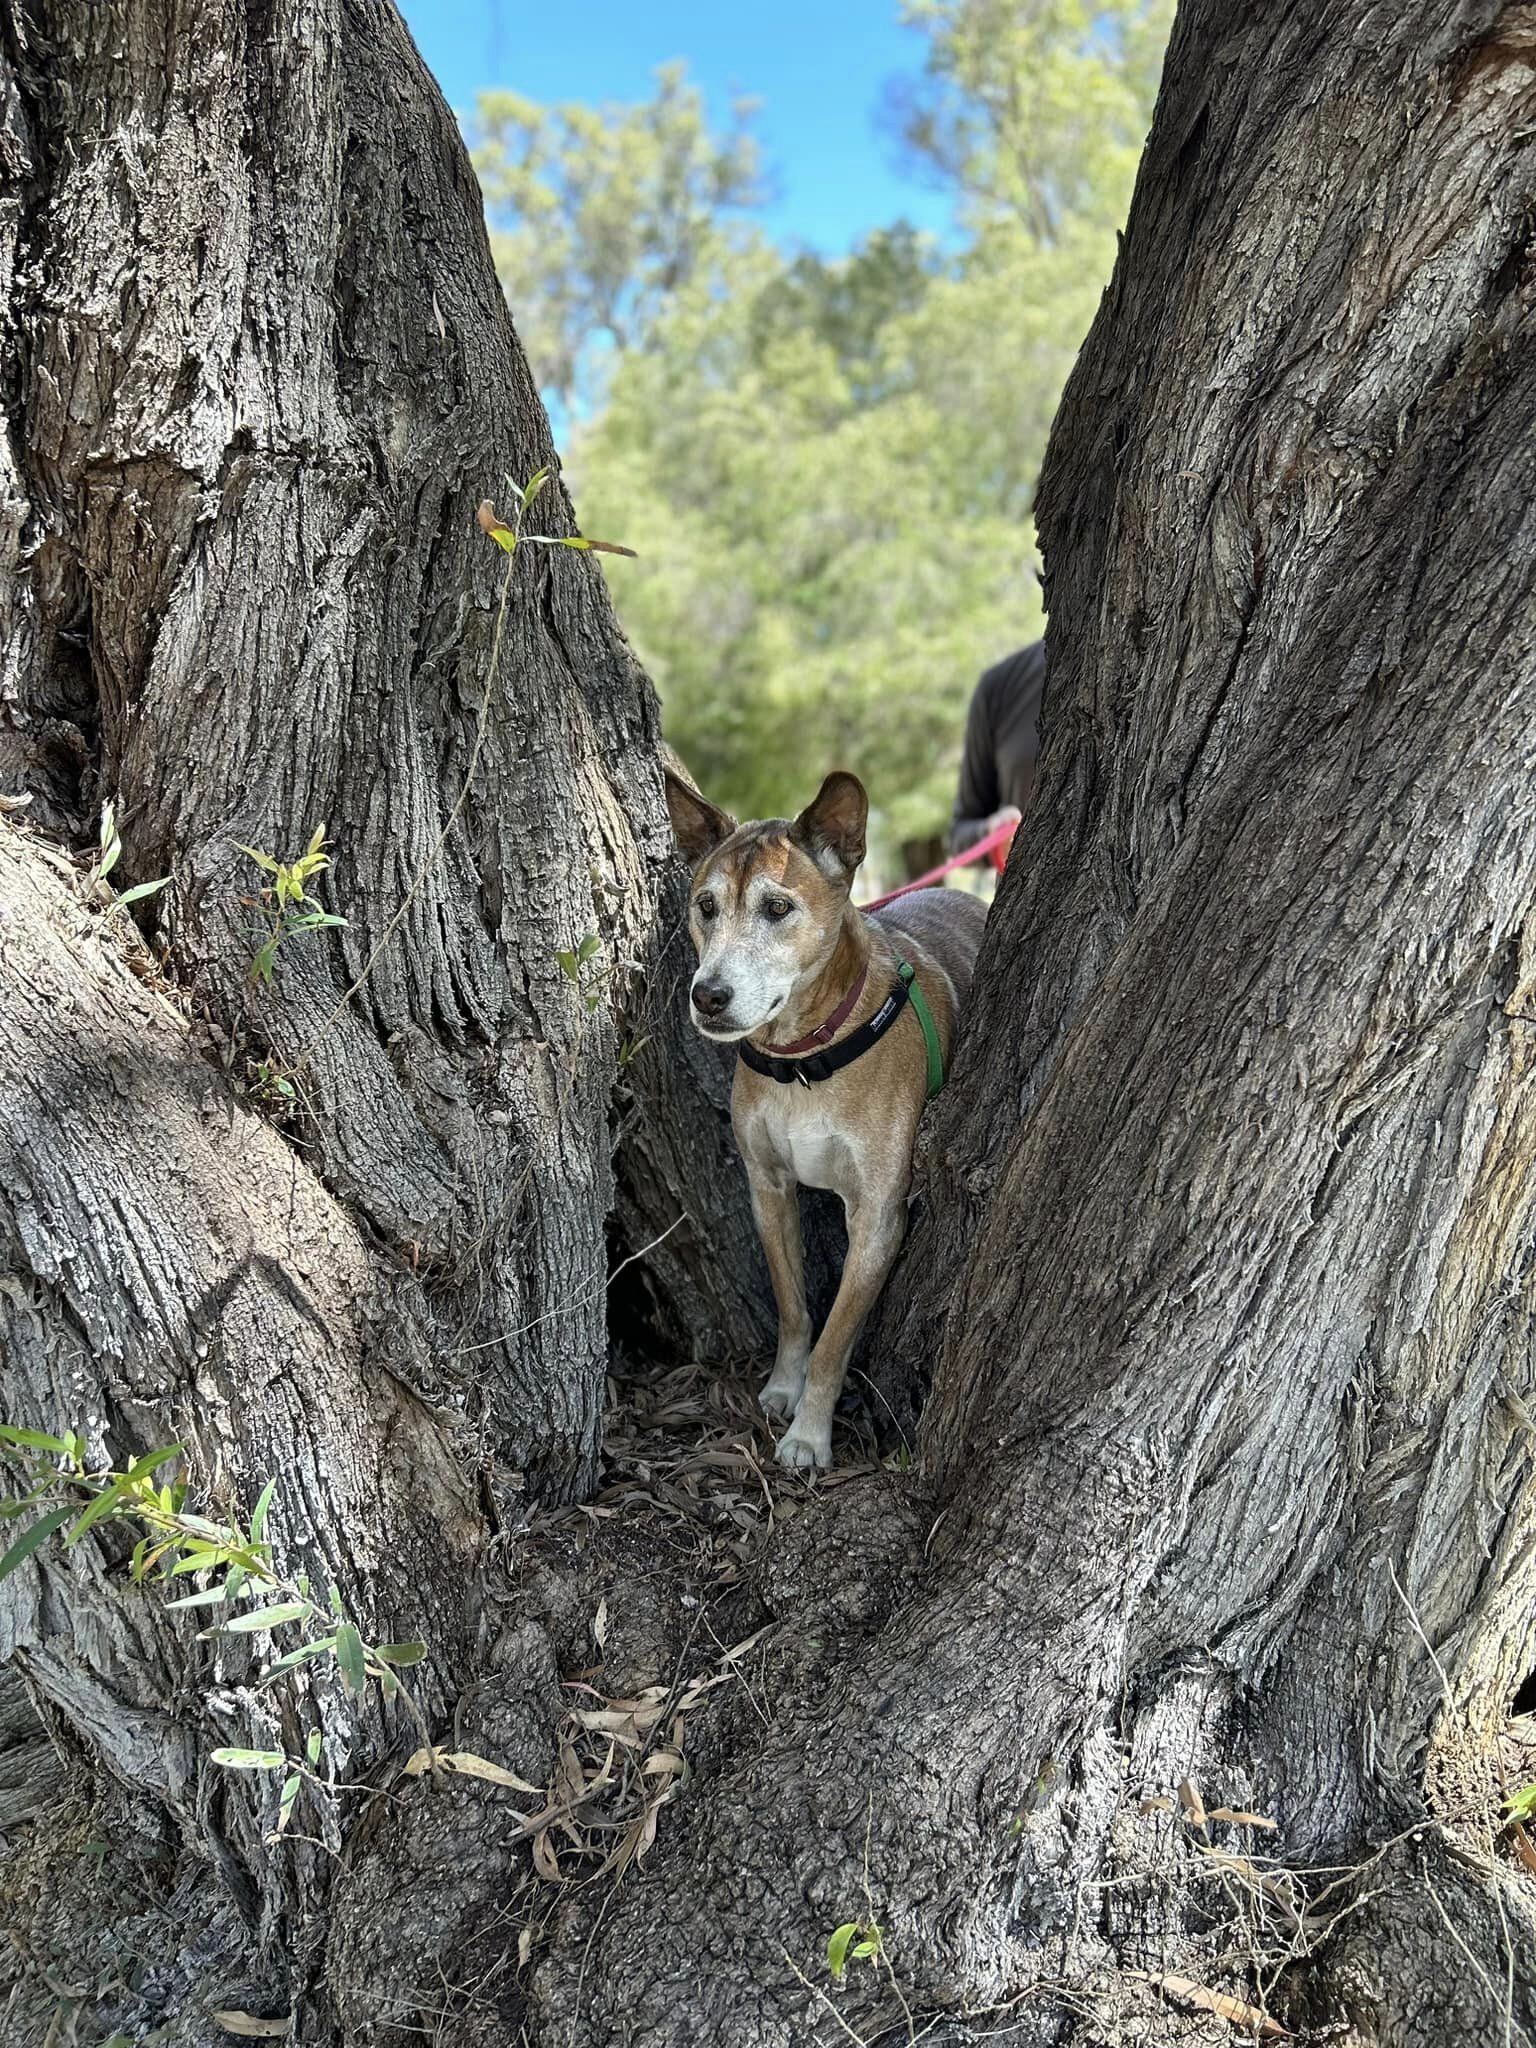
point(1226, 1253)
point(257, 374)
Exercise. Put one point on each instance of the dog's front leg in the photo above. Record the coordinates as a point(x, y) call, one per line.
point(778, 1225)
point(875, 1231)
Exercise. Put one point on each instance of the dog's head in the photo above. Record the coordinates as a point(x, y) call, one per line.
point(767, 899)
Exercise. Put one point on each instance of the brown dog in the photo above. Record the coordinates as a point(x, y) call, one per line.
point(836, 1058)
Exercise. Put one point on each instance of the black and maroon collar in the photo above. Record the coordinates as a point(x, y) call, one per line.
point(821, 1065)
point(828, 1028)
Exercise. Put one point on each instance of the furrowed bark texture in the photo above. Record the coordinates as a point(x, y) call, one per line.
point(1227, 1246)
point(257, 373)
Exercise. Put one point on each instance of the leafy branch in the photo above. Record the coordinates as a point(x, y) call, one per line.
point(109, 851)
point(508, 538)
point(286, 901)
point(575, 966)
point(855, 1940)
point(229, 1563)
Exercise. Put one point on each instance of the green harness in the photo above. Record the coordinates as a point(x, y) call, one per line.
point(919, 1002)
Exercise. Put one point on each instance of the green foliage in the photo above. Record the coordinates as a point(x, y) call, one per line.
point(510, 538)
point(836, 458)
point(109, 850)
point(586, 972)
point(1035, 113)
point(285, 901)
point(825, 587)
point(1521, 1803)
point(230, 1563)
point(854, 1941)
point(270, 1085)
point(599, 214)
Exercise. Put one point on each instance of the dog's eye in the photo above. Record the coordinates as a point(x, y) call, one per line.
point(705, 906)
point(777, 907)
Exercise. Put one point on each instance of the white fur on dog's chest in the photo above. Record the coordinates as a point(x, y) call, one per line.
point(799, 1133)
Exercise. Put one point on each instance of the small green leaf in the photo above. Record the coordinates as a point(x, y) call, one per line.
point(249, 1759)
point(34, 1538)
point(865, 1948)
point(567, 963)
point(301, 1655)
point(199, 1525)
point(401, 1653)
point(837, 1947)
point(588, 946)
point(152, 1461)
point(141, 890)
point(267, 1617)
point(317, 839)
point(595, 547)
point(389, 1685)
point(213, 1597)
point(264, 861)
point(312, 1746)
point(289, 1799)
point(534, 485)
point(109, 1499)
point(259, 1512)
point(33, 1440)
point(200, 1557)
point(109, 842)
point(349, 1655)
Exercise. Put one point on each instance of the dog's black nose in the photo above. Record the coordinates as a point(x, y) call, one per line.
point(712, 998)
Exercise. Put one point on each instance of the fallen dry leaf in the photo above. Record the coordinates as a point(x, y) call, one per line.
point(1192, 1803)
point(250, 2028)
point(1237, 2011)
point(467, 1765)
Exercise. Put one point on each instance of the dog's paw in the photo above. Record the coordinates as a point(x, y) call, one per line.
point(781, 1397)
point(805, 1450)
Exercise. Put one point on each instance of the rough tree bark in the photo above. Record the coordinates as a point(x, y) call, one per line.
point(257, 371)
point(1227, 1252)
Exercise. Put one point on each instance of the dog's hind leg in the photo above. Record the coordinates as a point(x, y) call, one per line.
point(875, 1231)
point(778, 1225)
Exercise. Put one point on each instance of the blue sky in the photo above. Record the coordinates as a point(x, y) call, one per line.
point(819, 67)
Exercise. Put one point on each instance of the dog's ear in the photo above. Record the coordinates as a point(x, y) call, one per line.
point(832, 828)
point(700, 825)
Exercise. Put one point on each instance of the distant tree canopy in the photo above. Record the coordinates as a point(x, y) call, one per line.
point(827, 465)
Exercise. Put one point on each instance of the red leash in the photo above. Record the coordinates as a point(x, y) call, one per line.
point(994, 847)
